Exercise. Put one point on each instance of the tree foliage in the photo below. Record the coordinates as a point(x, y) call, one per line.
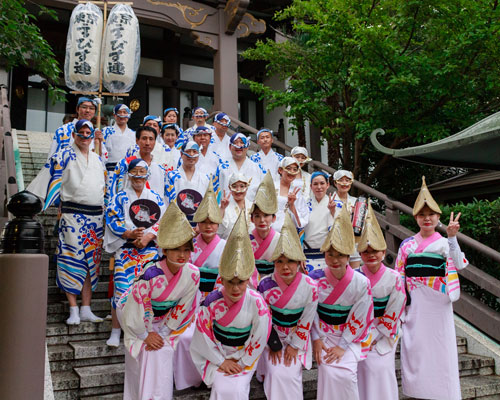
point(21, 42)
point(419, 69)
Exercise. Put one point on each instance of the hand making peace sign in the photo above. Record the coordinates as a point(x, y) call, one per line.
point(454, 226)
point(292, 196)
point(225, 200)
point(331, 204)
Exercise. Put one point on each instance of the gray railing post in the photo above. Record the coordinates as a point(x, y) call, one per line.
point(392, 217)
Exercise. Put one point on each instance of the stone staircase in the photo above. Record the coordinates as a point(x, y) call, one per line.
point(83, 367)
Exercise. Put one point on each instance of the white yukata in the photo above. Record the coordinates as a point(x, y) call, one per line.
point(344, 316)
point(270, 162)
point(263, 250)
point(221, 147)
point(160, 302)
point(79, 183)
point(429, 357)
point(250, 169)
point(157, 180)
point(293, 308)
point(208, 163)
point(162, 154)
point(130, 260)
point(231, 215)
point(206, 257)
point(178, 181)
point(63, 138)
point(300, 206)
point(304, 182)
point(316, 231)
point(227, 330)
point(118, 142)
point(377, 373)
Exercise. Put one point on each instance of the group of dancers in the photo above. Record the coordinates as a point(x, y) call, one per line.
point(257, 275)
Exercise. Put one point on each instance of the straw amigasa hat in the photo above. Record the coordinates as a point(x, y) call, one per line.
point(372, 234)
point(341, 235)
point(265, 198)
point(237, 259)
point(425, 199)
point(208, 208)
point(289, 242)
point(174, 229)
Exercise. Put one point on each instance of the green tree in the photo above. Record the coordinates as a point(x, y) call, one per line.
point(419, 69)
point(21, 42)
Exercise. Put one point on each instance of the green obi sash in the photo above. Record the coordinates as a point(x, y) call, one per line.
point(208, 276)
point(333, 314)
point(423, 265)
point(231, 336)
point(264, 267)
point(284, 317)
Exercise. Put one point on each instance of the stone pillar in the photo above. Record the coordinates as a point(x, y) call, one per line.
point(226, 71)
point(23, 301)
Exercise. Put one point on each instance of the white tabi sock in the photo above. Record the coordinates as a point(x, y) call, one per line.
point(86, 314)
point(114, 339)
point(74, 318)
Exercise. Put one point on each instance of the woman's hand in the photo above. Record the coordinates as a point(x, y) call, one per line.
point(230, 367)
point(290, 355)
point(225, 200)
point(454, 226)
point(318, 347)
point(292, 196)
point(334, 354)
point(153, 341)
point(332, 206)
point(275, 357)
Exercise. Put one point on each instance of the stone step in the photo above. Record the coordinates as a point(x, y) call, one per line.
point(95, 349)
point(101, 375)
point(60, 333)
point(474, 387)
point(472, 370)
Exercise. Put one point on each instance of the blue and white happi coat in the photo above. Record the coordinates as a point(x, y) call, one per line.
point(78, 183)
point(129, 260)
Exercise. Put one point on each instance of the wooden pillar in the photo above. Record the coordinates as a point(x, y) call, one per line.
point(226, 71)
point(171, 69)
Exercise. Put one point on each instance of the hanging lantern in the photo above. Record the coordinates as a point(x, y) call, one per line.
point(83, 48)
point(122, 50)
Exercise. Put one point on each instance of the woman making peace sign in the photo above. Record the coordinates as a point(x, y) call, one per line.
point(428, 263)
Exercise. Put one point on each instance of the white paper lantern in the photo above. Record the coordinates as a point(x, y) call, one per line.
point(83, 48)
point(122, 49)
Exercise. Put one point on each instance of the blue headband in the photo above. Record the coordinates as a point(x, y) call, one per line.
point(170, 126)
point(220, 116)
point(165, 112)
point(319, 173)
point(239, 135)
point(201, 130)
point(80, 124)
point(84, 99)
point(152, 118)
point(264, 130)
point(191, 145)
point(119, 107)
point(205, 113)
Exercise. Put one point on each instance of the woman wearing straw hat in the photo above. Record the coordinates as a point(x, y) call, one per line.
point(428, 263)
point(156, 309)
point(233, 324)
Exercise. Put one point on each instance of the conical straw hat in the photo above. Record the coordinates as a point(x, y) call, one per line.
point(237, 259)
point(208, 208)
point(372, 234)
point(341, 236)
point(289, 242)
point(425, 199)
point(174, 229)
point(265, 198)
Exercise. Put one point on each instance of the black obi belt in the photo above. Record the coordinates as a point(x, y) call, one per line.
point(423, 265)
